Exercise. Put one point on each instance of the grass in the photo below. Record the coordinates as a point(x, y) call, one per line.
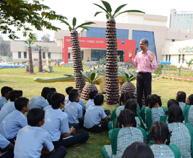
point(19, 79)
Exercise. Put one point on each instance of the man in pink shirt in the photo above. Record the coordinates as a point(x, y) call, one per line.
point(146, 63)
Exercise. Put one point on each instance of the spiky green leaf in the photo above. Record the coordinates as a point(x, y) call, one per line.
point(83, 24)
point(65, 22)
point(92, 77)
point(74, 22)
point(97, 13)
point(107, 16)
point(86, 76)
point(129, 11)
point(118, 9)
point(86, 28)
point(107, 6)
point(101, 7)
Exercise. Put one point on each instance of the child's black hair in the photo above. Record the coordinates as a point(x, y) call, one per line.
point(98, 99)
point(124, 97)
point(15, 94)
point(138, 150)
point(45, 92)
point(49, 97)
point(171, 102)
point(181, 96)
point(126, 117)
point(131, 104)
point(5, 90)
point(68, 89)
point(92, 94)
point(57, 99)
point(175, 114)
point(34, 116)
point(159, 132)
point(152, 99)
point(190, 98)
point(73, 96)
point(53, 90)
point(20, 103)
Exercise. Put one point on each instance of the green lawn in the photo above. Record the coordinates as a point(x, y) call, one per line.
point(19, 79)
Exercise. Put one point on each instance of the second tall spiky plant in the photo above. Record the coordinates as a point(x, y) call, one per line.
point(76, 53)
point(112, 83)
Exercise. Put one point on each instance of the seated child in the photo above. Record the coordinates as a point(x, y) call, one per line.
point(5, 93)
point(92, 94)
point(6, 148)
point(49, 99)
point(95, 119)
point(138, 150)
point(132, 105)
point(188, 110)
point(10, 106)
point(40, 102)
point(160, 134)
point(15, 120)
point(116, 112)
point(181, 133)
point(32, 140)
point(74, 111)
point(81, 102)
point(68, 90)
point(155, 111)
point(181, 98)
point(171, 102)
point(56, 123)
point(122, 137)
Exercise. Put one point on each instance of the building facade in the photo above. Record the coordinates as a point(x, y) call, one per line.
point(182, 20)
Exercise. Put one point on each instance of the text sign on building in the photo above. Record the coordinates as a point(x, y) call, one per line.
point(98, 43)
point(186, 49)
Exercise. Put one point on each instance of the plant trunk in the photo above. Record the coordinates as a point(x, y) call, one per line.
point(40, 60)
point(112, 82)
point(77, 61)
point(31, 70)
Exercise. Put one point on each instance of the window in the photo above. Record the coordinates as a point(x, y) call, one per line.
point(96, 55)
point(25, 54)
point(49, 55)
point(19, 54)
point(166, 57)
point(44, 55)
point(179, 58)
point(68, 55)
point(169, 57)
point(183, 56)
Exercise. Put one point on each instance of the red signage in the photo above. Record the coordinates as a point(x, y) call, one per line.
point(98, 43)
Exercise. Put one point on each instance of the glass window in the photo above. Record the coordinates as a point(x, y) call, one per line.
point(49, 55)
point(169, 57)
point(25, 54)
point(183, 57)
point(96, 55)
point(68, 55)
point(166, 57)
point(100, 33)
point(179, 58)
point(44, 55)
point(19, 54)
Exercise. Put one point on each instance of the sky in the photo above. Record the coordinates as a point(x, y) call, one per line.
point(84, 10)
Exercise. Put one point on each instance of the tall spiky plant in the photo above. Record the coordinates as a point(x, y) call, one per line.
point(76, 53)
point(112, 83)
point(29, 42)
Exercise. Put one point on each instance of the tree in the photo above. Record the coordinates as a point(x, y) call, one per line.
point(40, 58)
point(45, 37)
point(17, 15)
point(76, 53)
point(4, 47)
point(112, 83)
point(29, 42)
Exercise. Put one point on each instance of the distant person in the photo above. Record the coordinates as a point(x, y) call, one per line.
point(15, 120)
point(33, 141)
point(40, 102)
point(5, 93)
point(188, 110)
point(181, 98)
point(146, 63)
point(10, 106)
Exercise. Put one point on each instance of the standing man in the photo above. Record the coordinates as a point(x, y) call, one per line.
point(146, 63)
